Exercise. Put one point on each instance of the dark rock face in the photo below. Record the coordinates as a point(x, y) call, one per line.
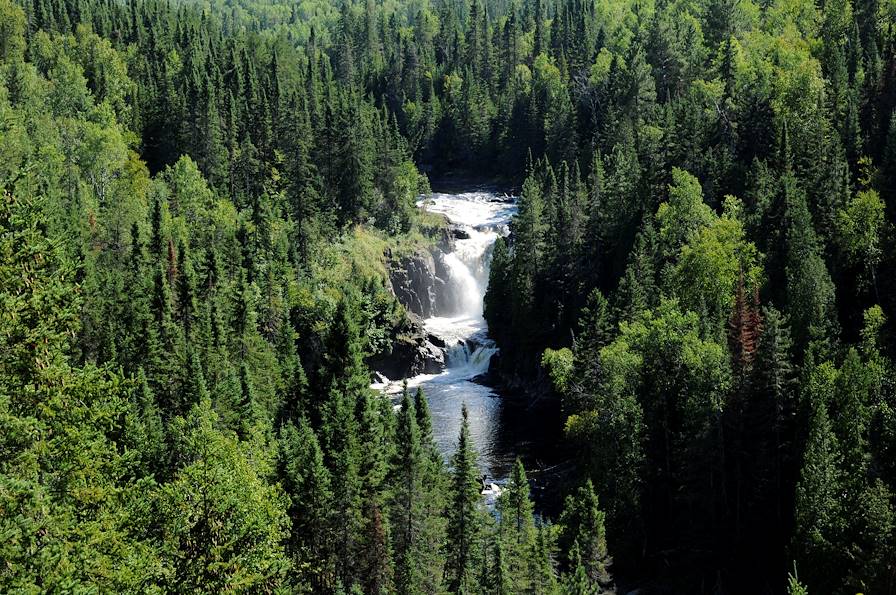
point(459, 233)
point(420, 282)
point(444, 302)
point(416, 284)
point(412, 353)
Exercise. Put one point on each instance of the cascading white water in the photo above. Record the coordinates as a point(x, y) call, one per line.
point(462, 286)
point(481, 217)
point(470, 362)
point(503, 430)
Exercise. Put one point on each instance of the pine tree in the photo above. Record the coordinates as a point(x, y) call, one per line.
point(577, 581)
point(464, 513)
point(817, 505)
point(499, 291)
point(424, 426)
point(767, 421)
point(638, 287)
point(149, 432)
point(341, 446)
point(373, 416)
point(406, 479)
point(810, 291)
point(430, 560)
point(194, 389)
point(517, 529)
point(529, 230)
point(888, 167)
point(347, 378)
point(595, 333)
point(248, 406)
point(516, 507)
point(307, 482)
point(501, 577)
point(186, 293)
point(374, 557)
point(344, 371)
point(543, 573)
point(584, 536)
point(539, 44)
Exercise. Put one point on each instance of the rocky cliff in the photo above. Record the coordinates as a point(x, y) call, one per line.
point(417, 281)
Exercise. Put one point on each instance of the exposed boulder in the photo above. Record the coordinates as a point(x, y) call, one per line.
point(436, 340)
point(459, 233)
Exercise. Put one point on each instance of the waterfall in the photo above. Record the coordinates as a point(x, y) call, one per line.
point(462, 288)
point(459, 322)
point(478, 219)
point(470, 360)
point(457, 317)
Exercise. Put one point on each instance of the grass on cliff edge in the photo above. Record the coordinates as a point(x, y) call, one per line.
point(358, 258)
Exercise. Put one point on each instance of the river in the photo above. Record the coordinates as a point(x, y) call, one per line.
point(503, 426)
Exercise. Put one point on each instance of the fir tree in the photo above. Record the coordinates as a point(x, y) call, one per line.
point(307, 482)
point(584, 536)
point(817, 506)
point(464, 513)
point(406, 479)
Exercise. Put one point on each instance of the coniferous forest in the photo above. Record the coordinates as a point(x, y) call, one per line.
point(201, 203)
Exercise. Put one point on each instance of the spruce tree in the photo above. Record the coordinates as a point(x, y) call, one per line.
point(341, 446)
point(516, 507)
point(430, 560)
point(584, 536)
point(307, 482)
point(464, 513)
point(406, 480)
point(543, 572)
point(501, 582)
point(810, 291)
point(248, 407)
point(576, 581)
point(517, 529)
point(817, 506)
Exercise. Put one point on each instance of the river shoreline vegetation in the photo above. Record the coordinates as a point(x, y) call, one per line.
point(199, 202)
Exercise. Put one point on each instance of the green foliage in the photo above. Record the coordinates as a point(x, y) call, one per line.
point(711, 264)
point(684, 214)
point(794, 586)
point(221, 524)
point(583, 532)
point(559, 365)
point(307, 483)
point(198, 206)
point(816, 497)
point(810, 291)
point(465, 514)
point(516, 553)
point(654, 417)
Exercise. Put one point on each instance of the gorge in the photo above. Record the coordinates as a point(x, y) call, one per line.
point(445, 288)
